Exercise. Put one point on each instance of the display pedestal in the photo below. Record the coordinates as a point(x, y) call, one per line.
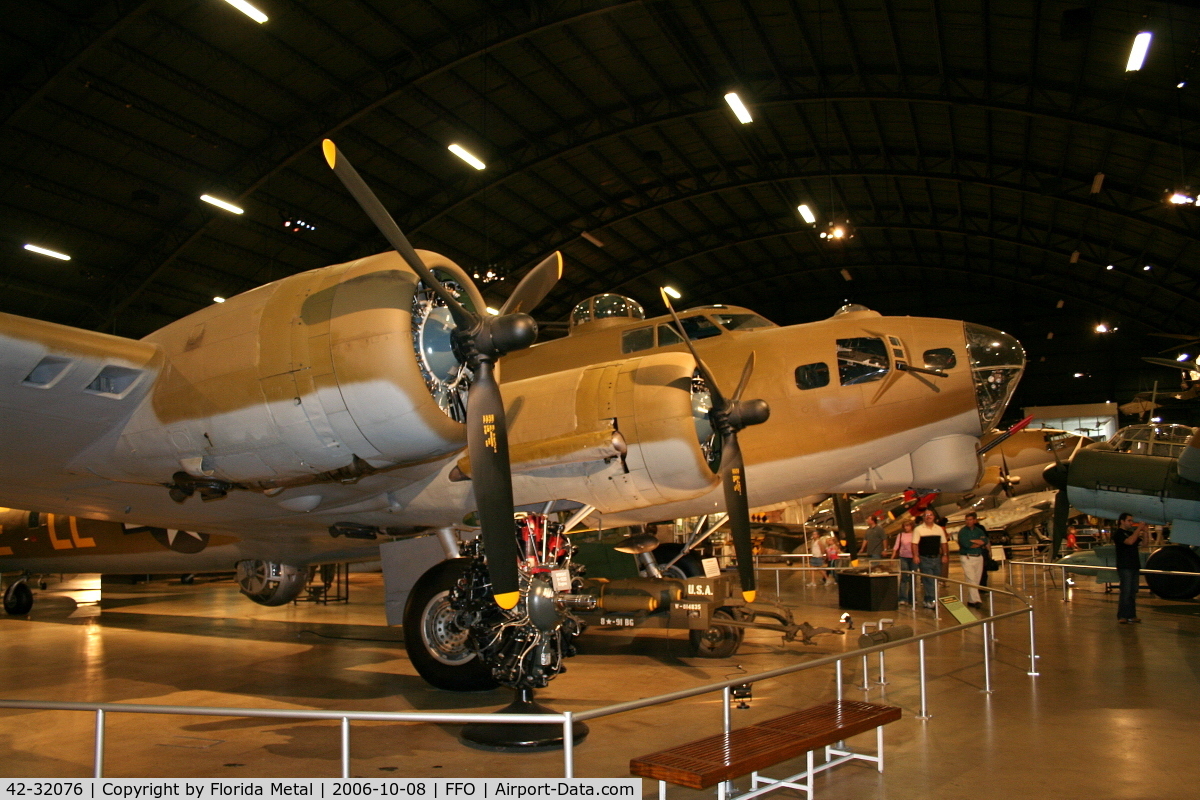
point(862, 592)
point(527, 736)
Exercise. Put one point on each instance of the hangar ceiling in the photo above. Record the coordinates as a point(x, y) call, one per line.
point(994, 158)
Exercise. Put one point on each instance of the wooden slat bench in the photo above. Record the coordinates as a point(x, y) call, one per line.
point(724, 756)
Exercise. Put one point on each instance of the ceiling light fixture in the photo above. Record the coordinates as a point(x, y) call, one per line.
point(592, 239)
point(1101, 328)
point(1110, 266)
point(807, 213)
point(218, 299)
point(33, 248)
point(230, 207)
point(493, 311)
point(1184, 198)
point(1137, 53)
point(673, 292)
point(249, 10)
point(739, 108)
point(1181, 84)
point(1183, 357)
point(1097, 183)
point(846, 276)
point(838, 232)
point(466, 156)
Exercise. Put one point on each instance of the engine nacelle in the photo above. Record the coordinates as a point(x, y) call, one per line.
point(328, 374)
point(656, 405)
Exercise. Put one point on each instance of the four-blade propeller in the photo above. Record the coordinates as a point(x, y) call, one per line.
point(479, 340)
point(728, 417)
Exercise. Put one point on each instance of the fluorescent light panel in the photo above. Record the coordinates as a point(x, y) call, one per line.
point(230, 207)
point(673, 292)
point(249, 10)
point(33, 248)
point(739, 108)
point(807, 213)
point(1137, 53)
point(466, 156)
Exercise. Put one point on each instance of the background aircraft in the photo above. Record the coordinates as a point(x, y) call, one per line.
point(317, 416)
point(1153, 472)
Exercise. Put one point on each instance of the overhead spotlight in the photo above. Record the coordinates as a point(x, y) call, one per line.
point(1146, 268)
point(672, 291)
point(1137, 53)
point(297, 225)
point(1102, 328)
point(249, 10)
point(33, 248)
point(1110, 266)
point(1156, 419)
point(493, 311)
point(1183, 357)
point(739, 108)
point(218, 299)
point(807, 213)
point(466, 156)
point(230, 207)
point(1080, 374)
point(1181, 84)
point(1182, 198)
point(838, 231)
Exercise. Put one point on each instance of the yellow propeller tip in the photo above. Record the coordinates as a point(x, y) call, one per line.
point(330, 151)
point(749, 596)
point(507, 600)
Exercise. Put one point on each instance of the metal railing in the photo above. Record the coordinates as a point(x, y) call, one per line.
point(567, 719)
point(1064, 567)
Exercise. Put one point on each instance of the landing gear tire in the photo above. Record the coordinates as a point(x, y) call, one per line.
point(436, 644)
point(18, 599)
point(717, 641)
point(1174, 587)
point(690, 566)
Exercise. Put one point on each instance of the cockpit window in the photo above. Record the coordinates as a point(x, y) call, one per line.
point(1152, 440)
point(741, 322)
point(812, 376)
point(694, 327)
point(940, 358)
point(699, 328)
point(861, 360)
point(636, 340)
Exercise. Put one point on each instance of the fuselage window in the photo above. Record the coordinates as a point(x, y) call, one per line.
point(941, 358)
point(812, 376)
point(861, 360)
point(635, 340)
point(741, 322)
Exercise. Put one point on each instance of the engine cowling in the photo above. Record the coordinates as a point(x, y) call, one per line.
point(329, 372)
point(656, 404)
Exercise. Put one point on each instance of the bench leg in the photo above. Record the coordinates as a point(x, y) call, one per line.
point(879, 746)
point(662, 790)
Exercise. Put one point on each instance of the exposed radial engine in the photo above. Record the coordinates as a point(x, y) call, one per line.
point(525, 646)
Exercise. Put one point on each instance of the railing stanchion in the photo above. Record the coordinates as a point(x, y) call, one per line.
point(568, 744)
point(921, 657)
point(987, 658)
point(839, 679)
point(1032, 646)
point(345, 747)
point(98, 756)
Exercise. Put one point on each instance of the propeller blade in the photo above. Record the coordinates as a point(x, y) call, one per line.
point(374, 209)
point(491, 478)
point(746, 372)
point(717, 398)
point(536, 284)
point(1062, 512)
point(733, 476)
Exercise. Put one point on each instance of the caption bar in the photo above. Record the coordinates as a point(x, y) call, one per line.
point(267, 788)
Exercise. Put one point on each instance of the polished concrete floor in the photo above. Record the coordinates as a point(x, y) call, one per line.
point(1113, 713)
